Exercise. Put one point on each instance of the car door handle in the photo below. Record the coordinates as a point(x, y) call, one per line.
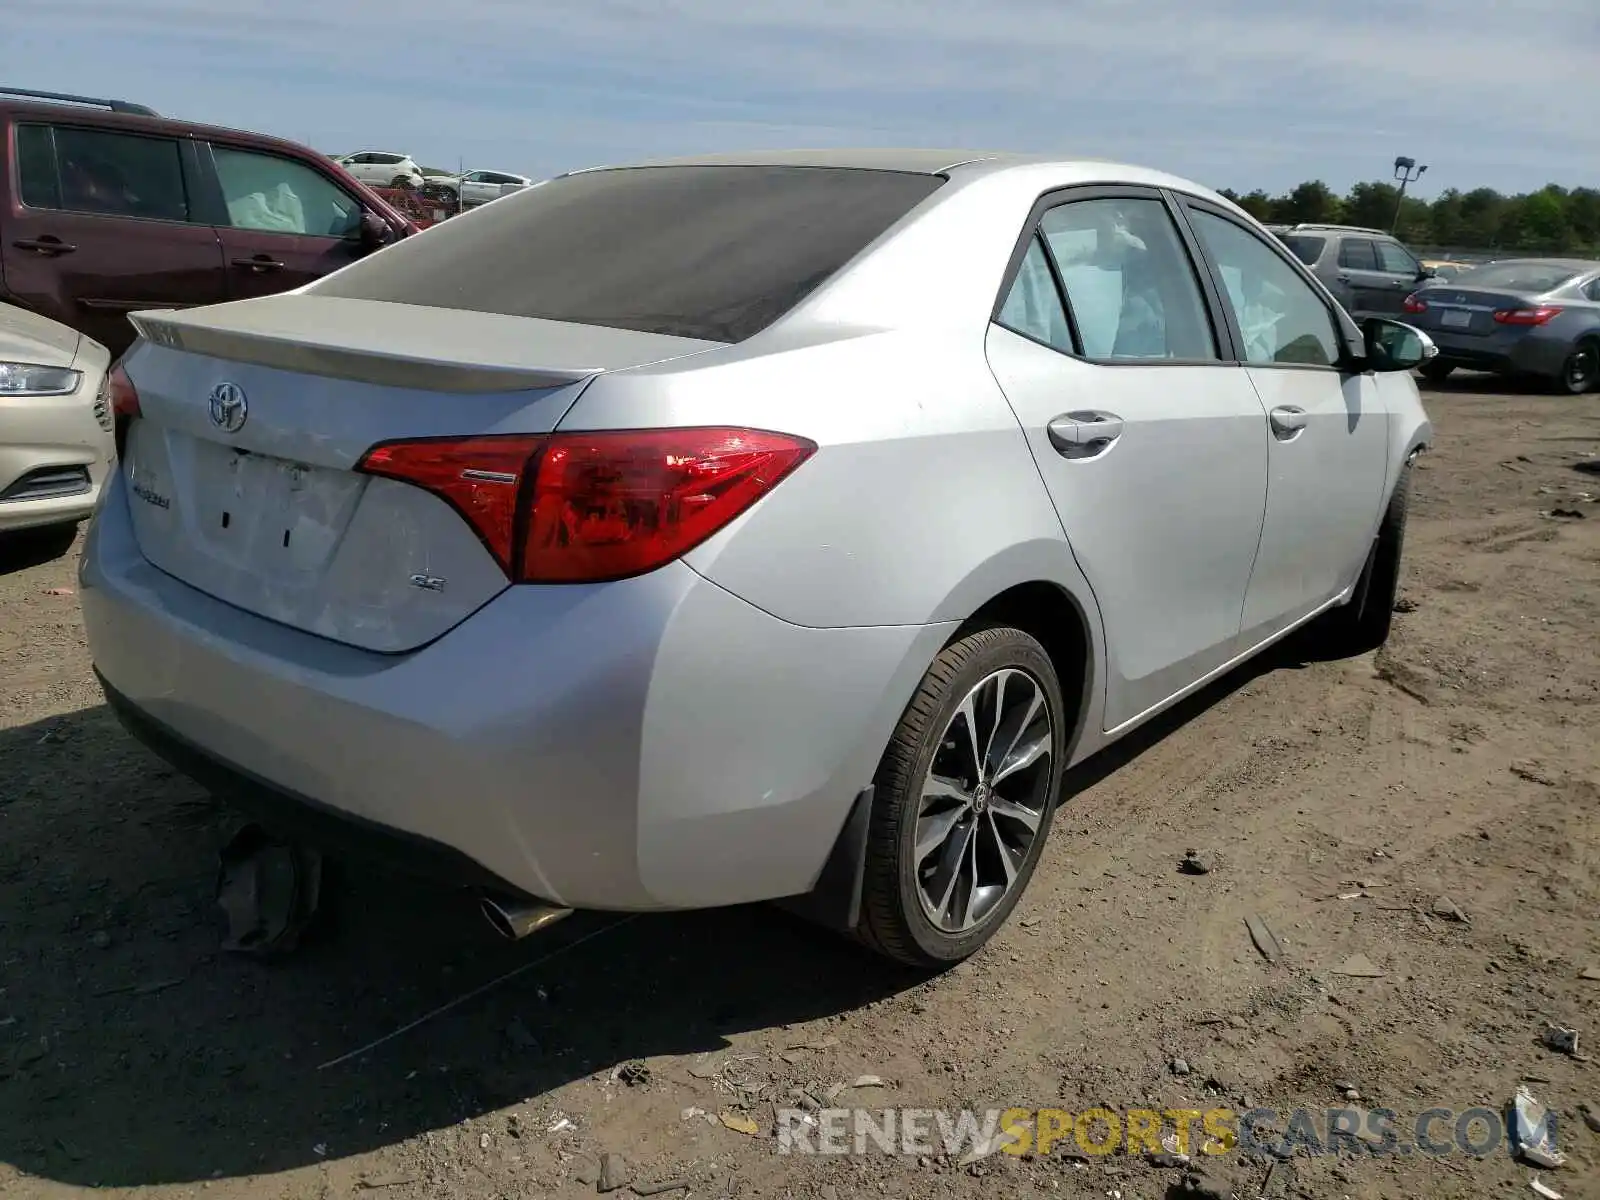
point(1287, 420)
point(1342, 278)
point(260, 263)
point(1083, 434)
point(46, 245)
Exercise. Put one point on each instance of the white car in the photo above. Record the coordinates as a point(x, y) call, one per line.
point(379, 168)
point(56, 446)
point(480, 187)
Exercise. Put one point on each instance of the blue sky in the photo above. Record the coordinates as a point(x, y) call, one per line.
point(1233, 93)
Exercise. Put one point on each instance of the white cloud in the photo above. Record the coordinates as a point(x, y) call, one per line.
point(1235, 92)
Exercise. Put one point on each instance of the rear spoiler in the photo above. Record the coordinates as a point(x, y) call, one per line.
point(400, 346)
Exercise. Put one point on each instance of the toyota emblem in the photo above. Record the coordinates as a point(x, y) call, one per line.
point(228, 407)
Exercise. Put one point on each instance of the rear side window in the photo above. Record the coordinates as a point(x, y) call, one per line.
point(716, 253)
point(94, 171)
point(1358, 254)
point(1033, 306)
point(1306, 249)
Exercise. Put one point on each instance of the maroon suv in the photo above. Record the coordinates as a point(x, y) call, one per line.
point(107, 208)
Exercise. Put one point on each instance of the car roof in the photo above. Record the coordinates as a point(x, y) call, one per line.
point(77, 114)
point(965, 164)
point(1573, 264)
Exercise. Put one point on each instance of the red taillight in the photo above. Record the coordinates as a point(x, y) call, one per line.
point(124, 400)
point(1527, 316)
point(588, 507)
point(1414, 305)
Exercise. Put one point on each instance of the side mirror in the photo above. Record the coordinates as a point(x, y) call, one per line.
point(374, 231)
point(1427, 273)
point(1394, 345)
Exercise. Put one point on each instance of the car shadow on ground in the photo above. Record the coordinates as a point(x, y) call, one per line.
point(33, 548)
point(132, 1052)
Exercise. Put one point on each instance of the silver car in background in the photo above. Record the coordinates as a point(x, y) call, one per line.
point(55, 429)
point(759, 527)
point(1532, 317)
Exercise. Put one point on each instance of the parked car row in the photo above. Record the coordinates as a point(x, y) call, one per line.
point(462, 191)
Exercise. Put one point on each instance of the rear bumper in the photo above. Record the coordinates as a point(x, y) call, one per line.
point(653, 743)
point(1516, 355)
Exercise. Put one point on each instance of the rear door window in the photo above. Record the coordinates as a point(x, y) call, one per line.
point(710, 252)
point(1358, 254)
point(272, 194)
point(96, 171)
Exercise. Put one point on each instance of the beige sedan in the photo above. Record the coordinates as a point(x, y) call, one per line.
point(56, 443)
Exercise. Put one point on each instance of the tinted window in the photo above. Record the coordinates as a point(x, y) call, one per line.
point(1282, 318)
point(1129, 281)
point(1304, 247)
point(277, 195)
point(36, 166)
point(1033, 306)
point(1396, 261)
point(117, 174)
point(1358, 254)
point(1593, 290)
point(704, 252)
point(1521, 276)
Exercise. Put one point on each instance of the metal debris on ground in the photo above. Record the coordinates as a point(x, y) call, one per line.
point(1560, 1039)
point(269, 890)
point(1265, 940)
point(665, 1185)
point(1590, 973)
point(1531, 1134)
point(1590, 1114)
point(1447, 909)
point(1359, 966)
point(1564, 514)
point(633, 1074)
point(1533, 772)
point(1544, 1189)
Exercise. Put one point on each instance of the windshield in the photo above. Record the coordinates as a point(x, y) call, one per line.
point(1519, 276)
point(1306, 249)
point(715, 253)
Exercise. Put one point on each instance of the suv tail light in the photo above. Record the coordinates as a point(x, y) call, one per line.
point(1414, 305)
point(591, 507)
point(1527, 316)
point(124, 398)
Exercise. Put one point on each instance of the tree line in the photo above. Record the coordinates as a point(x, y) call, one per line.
point(1553, 220)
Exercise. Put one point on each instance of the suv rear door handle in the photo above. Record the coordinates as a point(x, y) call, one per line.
point(1084, 434)
point(260, 263)
point(1342, 278)
point(1287, 421)
point(47, 245)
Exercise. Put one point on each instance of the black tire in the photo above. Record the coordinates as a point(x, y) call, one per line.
point(1435, 371)
point(1580, 372)
point(402, 182)
point(1363, 622)
point(893, 920)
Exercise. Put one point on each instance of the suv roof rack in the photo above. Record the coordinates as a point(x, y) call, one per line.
point(116, 106)
point(1342, 228)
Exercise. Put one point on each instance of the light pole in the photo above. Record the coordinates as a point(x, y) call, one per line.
point(1407, 172)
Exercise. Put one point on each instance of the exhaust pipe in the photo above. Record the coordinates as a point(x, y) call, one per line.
point(516, 919)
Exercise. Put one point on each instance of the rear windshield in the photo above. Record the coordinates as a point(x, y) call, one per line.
point(1306, 249)
point(1519, 277)
point(716, 253)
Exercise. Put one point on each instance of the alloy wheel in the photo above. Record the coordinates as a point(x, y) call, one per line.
point(1581, 368)
point(983, 799)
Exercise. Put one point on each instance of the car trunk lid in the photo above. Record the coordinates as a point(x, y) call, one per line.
point(1468, 311)
point(254, 416)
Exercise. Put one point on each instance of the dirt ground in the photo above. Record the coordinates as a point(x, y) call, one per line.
point(1462, 762)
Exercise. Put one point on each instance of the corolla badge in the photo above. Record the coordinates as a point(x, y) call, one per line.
point(228, 408)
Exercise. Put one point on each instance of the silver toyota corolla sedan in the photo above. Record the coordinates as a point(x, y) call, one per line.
point(743, 528)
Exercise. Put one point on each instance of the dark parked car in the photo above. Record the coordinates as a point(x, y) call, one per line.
point(1533, 317)
point(107, 208)
point(1367, 270)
